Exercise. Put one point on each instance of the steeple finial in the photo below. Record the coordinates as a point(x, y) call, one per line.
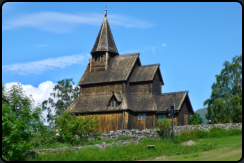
point(105, 15)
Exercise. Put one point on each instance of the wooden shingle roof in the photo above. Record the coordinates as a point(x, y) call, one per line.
point(134, 102)
point(144, 73)
point(141, 102)
point(105, 40)
point(119, 68)
point(98, 103)
point(164, 101)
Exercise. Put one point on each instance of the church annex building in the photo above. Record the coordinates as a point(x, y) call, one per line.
point(124, 93)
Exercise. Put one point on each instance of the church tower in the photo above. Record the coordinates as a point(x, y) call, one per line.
point(104, 48)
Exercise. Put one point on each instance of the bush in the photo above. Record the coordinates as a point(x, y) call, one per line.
point(43, 136)
point(164, 126)
point(196, 119)
point(69, 125)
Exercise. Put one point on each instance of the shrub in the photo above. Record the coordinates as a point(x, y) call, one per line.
point(43, 136)
point(69, 125)
point(196, 119)
point(164, 126)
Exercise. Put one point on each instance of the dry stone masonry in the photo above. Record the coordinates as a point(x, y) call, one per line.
point(153, 133)
point(138, 136)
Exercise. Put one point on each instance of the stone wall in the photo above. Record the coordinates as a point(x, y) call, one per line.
point(138, 135)
point(153, 133)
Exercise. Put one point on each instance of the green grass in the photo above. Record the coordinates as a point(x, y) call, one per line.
point(123, 153)
point(89, 142)
point(163, 146)
point(224, 149)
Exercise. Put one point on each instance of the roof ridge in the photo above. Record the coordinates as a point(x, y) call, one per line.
point(158, 64)
point(125, 55)
point(175, 92)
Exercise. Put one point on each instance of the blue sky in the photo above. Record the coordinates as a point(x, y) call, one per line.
point(44, 42)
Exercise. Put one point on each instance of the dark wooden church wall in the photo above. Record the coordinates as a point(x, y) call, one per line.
point(156, 87)
point(184, 115)
point(142, 124)
point(101, 89)
point(110, 121)
point(138, 88)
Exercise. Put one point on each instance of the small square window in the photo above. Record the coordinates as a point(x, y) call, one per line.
point(162, 116)
point(116, 103)
point(112, 104)
point(139, 116)
point(144, 116)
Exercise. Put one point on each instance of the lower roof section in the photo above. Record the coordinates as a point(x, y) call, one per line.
point(158, 103)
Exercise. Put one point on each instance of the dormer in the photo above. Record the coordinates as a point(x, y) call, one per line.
point(104, 48)
point(114, 101)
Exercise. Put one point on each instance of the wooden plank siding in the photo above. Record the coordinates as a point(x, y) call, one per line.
point(184, 115)
point(142, 124)
point(111, 121)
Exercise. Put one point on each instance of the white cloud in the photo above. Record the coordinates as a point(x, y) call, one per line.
point(146, 48)
point(43, 65)
point(63, 22)
point(153, 49)
point(39, 94)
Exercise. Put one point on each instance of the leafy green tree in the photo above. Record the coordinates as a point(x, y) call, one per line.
point(225, 102)
point(70, 126)
point(196, 119)
point(18, 115)
point(62, 97)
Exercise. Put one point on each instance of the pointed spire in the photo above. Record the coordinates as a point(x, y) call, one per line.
point(105, 41)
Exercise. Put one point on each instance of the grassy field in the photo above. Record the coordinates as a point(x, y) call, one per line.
point(217, 140)
point(89, 142)
point(224, 149)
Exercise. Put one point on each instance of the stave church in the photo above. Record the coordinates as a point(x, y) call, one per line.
point(124, 93)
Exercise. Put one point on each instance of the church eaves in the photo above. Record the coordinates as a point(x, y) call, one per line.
point(105, 41)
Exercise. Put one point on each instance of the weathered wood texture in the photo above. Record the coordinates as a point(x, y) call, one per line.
point(101, 89)
point(110, 121)
point(184, 115)
point(139, 88)
point(156, 87)
point(142, 124)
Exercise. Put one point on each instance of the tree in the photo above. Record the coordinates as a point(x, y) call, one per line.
point(18, 115)
point(225, 102)
point(196, 119)
point(64, 94)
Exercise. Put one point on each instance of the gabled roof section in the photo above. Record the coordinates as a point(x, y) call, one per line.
point(141, 102)
point(119, 68)
point(164, 101)
point(116, 95)
point(144, 73)
point(91, 103)
point(105, 40)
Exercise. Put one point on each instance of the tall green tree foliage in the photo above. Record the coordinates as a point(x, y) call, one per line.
point(62, 97)
point(225, 102)
point(196, 119)
point(18, 115)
